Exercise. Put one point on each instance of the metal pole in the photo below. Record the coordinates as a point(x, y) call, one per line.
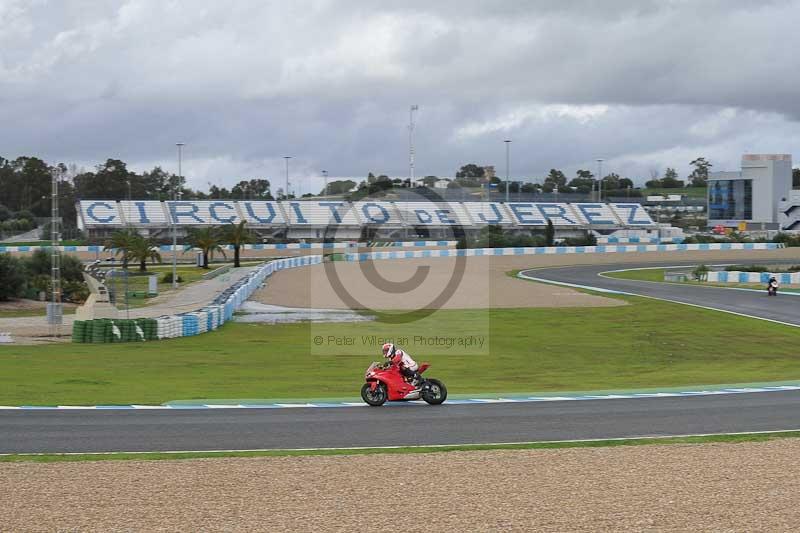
point(286, 192)
point(599, 180)
point(55, 312)
point(325, 175)
point(508, 145)
point(411, 142)
point(174, 227)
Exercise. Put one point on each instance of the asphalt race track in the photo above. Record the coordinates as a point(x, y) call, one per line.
point(103, 431)
point(783, 308)
point(237, 429)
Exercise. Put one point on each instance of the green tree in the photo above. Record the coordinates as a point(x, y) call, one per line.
point(670, 180)
point(699, 176)
point(12, 277)
point(555, 180)
point(470, 170)
point(549, 234)
point(143, 249)
point(207, 240)
point(583, 182)
point(121, 242)
point(238, 235)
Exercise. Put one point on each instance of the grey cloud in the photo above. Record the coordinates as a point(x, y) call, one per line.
point(244, 83)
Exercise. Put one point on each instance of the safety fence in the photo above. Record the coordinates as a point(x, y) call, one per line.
point(787, 278)
point(283, 246)
point(639, 240)
point(188, 324)
point(557, 250)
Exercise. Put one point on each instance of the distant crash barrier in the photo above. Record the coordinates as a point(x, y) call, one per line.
point(280, 246)
point(189, 324)
point(786, 278)
point(557, 250)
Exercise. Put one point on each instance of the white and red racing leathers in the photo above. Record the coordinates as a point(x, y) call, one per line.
point(404, 361)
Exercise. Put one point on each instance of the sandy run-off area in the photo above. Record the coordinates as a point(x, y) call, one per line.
point(459, 283)
point(719, 487)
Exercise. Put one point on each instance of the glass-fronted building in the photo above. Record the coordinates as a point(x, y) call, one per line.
point(750, 196)
point(730, 200)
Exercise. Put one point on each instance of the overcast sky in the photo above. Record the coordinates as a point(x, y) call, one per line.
point(642, 84)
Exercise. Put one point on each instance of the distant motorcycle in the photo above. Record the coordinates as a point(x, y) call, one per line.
point(385, 381)
point(772, 288)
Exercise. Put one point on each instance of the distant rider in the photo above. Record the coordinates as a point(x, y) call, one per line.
point(408, 367)
point(773, 284)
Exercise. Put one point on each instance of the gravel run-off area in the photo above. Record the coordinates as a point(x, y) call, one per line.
point(708, 487)
point(471, 282)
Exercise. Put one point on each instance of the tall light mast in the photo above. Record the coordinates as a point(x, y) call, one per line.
point(413, 108)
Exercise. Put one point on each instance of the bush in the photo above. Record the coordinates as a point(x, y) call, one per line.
point(5, 213)
point(12, 277)
point(700, 273)
point(746, 268)
point(787, 239)
point(167, 278)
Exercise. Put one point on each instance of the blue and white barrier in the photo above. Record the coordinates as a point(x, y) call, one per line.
point(285, 246)
point(558, 250)
point(639, 240)
point(786, 278)
point(225, 305)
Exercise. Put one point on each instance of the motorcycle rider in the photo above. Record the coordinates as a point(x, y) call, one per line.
point(772, 286)
point(408, 367)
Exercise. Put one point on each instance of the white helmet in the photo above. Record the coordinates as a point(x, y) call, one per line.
point(388, 350)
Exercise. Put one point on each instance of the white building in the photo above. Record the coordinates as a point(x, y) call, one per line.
point(753, 195)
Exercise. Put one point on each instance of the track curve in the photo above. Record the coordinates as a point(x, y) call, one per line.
point(756, 304)
point(188, 430)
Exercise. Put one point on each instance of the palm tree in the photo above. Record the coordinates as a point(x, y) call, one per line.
point(206, 239)
point(143, 249)
point(120, 243)
point(238, 235)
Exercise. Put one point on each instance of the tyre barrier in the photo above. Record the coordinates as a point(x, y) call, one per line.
point(106, 330)
point(208, 318)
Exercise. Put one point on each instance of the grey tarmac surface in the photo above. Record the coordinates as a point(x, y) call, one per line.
point(783, 308)
point(105, 431)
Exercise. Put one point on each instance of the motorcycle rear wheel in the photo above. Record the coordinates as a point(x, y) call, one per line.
point(434, 392)
point(374, 397)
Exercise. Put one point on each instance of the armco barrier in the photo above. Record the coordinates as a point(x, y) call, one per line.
point(599, 249)
point(639, 240)
point(193, 323)
point(287, 246)
point(787, 278)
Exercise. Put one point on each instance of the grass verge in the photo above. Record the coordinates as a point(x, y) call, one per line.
point(544, 445)
point(646, 344)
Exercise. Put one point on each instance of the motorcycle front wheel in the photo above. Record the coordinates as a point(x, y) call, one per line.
point(374, 397)
point(434, 392)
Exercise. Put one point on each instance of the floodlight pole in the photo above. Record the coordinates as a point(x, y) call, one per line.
point(286, 192)
point(413, 108)
point(325, 175)
point(599, 180)
point(55, 311)
point(172, 218)
point(508, 159)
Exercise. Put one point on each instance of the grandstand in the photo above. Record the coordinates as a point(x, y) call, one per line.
point(340, 220)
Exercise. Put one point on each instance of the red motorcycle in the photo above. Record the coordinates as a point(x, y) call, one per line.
point(385, 382)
